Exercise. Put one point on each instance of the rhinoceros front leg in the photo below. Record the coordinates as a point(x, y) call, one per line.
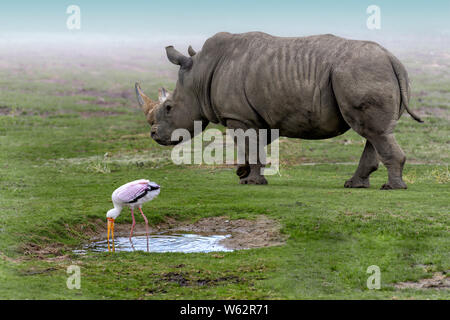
point(250, 172)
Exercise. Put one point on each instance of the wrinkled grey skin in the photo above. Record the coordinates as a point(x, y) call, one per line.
point(313, 87)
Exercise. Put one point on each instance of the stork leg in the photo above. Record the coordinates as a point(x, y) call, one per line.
point(112, 235)
point(132, 226)
point(146, 226)
point(109, 232)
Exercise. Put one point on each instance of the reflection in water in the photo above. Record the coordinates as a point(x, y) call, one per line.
point(162, 243)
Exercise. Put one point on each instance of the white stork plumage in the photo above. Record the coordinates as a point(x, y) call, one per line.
point(133, 194)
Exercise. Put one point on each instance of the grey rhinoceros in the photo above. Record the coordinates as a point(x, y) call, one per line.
point(314, 87)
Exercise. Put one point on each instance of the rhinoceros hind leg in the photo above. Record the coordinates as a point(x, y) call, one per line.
point(367, 164)
point(370, 102)
point(371, 107)
point(393, 158)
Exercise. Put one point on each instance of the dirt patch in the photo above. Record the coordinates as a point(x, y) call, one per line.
point(99, 102)
point(419, 94)
point(442, 113)
point(100, 113)
point(102, 94)
point(44, 251)
point(49, 250)
point(245, 234)
point(18, 112)
point(440, 280)
point(184, 279)
point(4, 110)
point(34, 271)
point(9, 259)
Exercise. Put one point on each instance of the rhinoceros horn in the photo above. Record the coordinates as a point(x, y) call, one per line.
point(145, 102)
point(176, 57)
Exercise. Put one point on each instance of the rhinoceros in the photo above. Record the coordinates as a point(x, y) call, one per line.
point(314, 87)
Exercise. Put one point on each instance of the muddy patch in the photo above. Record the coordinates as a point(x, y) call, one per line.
point(439, 281)
point(245, 234)
point(241, 233)
point(237, 234)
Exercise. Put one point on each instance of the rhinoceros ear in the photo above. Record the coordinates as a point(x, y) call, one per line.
point(177, 58)
point(191, 51)
point(163, 94)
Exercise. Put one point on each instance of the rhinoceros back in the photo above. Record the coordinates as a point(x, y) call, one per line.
point(277, 82)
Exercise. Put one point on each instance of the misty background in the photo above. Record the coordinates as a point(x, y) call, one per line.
point(137, 23)
point(119, 43)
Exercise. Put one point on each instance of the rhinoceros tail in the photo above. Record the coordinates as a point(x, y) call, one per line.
point(402, 78)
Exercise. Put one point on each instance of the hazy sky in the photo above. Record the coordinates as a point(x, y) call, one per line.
point(206, 17)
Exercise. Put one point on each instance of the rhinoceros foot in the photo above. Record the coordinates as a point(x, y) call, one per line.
point(243, 171)
point(357, 183)
point(391, 185)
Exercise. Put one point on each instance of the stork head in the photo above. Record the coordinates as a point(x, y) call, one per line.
point(111, 215)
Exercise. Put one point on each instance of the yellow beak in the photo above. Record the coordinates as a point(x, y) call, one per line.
point(110, 225)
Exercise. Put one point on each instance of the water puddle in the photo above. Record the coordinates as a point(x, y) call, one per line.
point(187, 243)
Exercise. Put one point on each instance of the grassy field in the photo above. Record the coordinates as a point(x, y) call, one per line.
point(71, 132)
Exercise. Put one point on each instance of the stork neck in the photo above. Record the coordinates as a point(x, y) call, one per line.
point(114, 213)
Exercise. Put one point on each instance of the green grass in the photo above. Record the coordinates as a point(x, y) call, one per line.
point(56, 182)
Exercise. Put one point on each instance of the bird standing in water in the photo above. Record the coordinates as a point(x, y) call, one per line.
point(133, 194)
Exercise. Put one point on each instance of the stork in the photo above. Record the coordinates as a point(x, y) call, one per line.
point(132, 194)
